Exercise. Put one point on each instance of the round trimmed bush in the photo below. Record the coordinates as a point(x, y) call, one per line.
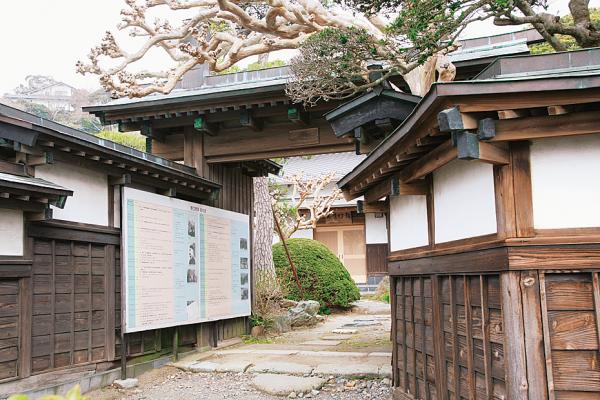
point(322, 275)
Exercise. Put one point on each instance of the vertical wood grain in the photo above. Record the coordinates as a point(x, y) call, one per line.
point(439, 348)
point(423, 339)
point(25, 320)
point(521, 167)
point(546, 334)
point(505, 200)
point(485, 330)
point(454, 317)
point(109, 298)
point(394, 302)
point(514, 336)
point(469, 336)
point(534, 340)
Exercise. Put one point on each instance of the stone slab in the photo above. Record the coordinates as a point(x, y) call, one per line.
point(233, 366)
point(204, 366)
point(358, 324)
point(129, 383)
point(283, 385)
point(380, 354)
point(238, 351)
point(322, 342)
point(275, 367)
point(336, 337)
point(275, 352)
point(344, 331)
point(331, 354)
point(348, 370)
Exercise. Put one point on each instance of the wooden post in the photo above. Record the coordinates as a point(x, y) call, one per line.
point(123, 353)
point(514, 336)
point(175, 343)
point(534, 339)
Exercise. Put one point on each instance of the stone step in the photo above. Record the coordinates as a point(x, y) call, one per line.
point(342, 331)
point(318, 342)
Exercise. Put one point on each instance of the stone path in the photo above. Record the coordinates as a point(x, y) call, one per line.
point(347, 357)
point(304, 366)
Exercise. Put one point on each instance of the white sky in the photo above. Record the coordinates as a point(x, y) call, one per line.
point(47, 37)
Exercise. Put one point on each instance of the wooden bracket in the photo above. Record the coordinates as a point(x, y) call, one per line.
point(297, 115)
point(124, 179)
point(201, 125)
point(363, 207)
point(469, 147)
point(247, 120)
point(452, 119)
point(46, 157)
point(44, 215)
point(394, 187)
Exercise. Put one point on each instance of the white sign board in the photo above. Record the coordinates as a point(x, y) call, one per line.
point(183, 262)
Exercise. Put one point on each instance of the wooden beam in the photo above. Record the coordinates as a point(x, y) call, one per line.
point(44, 215)
point(469, 147)
point(393, 187)
point(452, 119)
point(436, 158)
point(124, 179)
point(247, 120)
point(557, 110)
point(511, 114)
point(580, 123)
point(362, 207)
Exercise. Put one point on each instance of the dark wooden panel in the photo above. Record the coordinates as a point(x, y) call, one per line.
point(377, 259)
point(573, 330)
point(576, 370)
point(569, 292)
point(9, 329)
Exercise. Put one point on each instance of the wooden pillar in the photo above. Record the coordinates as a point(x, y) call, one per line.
point(514, 336)
point(193, 150)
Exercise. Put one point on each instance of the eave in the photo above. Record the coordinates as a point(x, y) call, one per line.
point(121, 162)
point(411, 143)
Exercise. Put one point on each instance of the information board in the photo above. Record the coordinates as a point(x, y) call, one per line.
point(183, 262)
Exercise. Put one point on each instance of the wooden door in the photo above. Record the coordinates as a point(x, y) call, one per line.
point(348, 243)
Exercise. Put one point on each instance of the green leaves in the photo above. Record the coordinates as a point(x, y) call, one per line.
point(73, 394)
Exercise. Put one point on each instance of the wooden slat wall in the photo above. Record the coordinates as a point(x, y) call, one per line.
point(570, 315)
point(236, 194)
point(9, 329)
point(69, 318)
point(450, 348)
point(377, 259)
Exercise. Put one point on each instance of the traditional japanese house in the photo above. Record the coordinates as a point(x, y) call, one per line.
point(494, 232)
point(358, 239)
point(60, 237)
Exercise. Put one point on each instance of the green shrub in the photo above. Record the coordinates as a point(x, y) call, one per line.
point(323, 277)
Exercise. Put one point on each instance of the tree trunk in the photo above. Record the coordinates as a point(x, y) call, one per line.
point(266, 287)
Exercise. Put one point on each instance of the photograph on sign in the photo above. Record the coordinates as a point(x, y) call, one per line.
point(183, 262)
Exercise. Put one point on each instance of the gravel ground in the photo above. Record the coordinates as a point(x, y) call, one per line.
point(170, 383)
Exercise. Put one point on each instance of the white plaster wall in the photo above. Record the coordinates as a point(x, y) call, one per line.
point(89, 203)
point(375, 229)
point(408, 222)
point(464, 200)
point(565, 180)
point(11, 232)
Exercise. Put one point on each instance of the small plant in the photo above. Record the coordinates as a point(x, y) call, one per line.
point(73, 394)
